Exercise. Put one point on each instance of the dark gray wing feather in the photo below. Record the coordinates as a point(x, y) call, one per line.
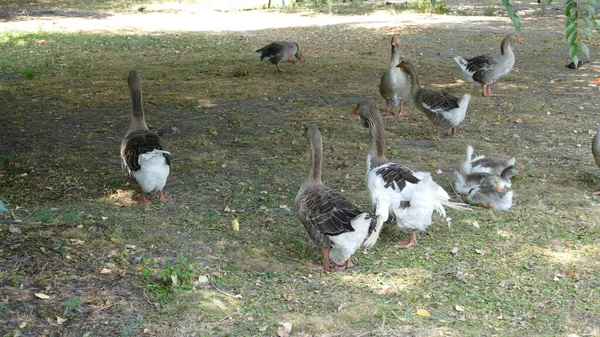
point(396, 174)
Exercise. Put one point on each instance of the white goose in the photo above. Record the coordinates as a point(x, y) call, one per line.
point(142, 155)
point(398, 194)
point(490, 195)
point(332, 221)
point(484, 164)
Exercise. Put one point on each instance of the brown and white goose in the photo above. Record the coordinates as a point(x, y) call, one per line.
point(394, 86)
point(596, 141)
point(280, 51)
point(486, 69)
point(483, 163)
point(442, 108)
point(398, 194)
point(490, 195)
point(142, 155)
point(332, 221)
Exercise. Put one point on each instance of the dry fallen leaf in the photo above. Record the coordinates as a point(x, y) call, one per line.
point(174, 280)
point(519, 121)
point(475, 224)
point(423, 313)
point(235, 225)
point(42, 296)
point(60, 320)
point(341, 306)
point(22, 325)
point(454, 251)
point(284, 329)
point(459, 308)
point(268, 219)
point(479, 251)
point(105, 271)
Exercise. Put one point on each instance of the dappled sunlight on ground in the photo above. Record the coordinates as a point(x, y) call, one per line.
point(392, 281)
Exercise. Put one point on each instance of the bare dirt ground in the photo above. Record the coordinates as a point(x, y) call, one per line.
point(234, 125)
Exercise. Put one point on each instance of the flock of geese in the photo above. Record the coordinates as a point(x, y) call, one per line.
point(398, 195)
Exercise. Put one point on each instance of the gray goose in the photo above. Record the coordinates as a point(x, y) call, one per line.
point(486, 69)
point(483, 163)
point(398, 194)
point(280, 51)
point(489, 195)
point(465, 182)
point(142, 155)
point(335, 224)
point(394, 86)
point(441, 107)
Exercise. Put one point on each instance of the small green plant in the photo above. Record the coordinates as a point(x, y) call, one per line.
point(178, 275)
point(30, 74)
point(15, 281)
point(72, 307)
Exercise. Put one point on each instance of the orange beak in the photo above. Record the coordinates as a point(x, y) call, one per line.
point(597, 80)
point(498, 188)
point(394, 40)
point(519, 40)
point(400, 64)
point(301, 59)
point(353, 111)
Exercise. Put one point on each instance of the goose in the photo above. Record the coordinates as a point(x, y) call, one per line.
point(484, 164)
point(596, 141)
point(280, 51)
point(336, 225)
point(142, 155)
point(394, 86)
point(441, 107)
point(398, 194)
point(489, 195)
point(486, 69)
point(465, 182)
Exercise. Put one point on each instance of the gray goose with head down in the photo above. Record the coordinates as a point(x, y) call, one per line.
point(142, 155)
point(441, 107)
point(280, 51)
point(333, 222)
point(486, 69)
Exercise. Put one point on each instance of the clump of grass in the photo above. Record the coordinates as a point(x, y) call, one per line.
point(30, 74)
point(72, 307)
point(176, 275)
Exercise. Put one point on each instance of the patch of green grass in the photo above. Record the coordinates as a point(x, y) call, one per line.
point(72, 307)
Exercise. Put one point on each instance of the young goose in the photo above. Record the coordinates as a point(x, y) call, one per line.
point(441, 107)
point(398, 194)
point(489, 195)
point(486, 69)
point(332, 221)
point(280, 51)
point(394, 86)
point(484, 164)
point(142, 155)
point(465, 182)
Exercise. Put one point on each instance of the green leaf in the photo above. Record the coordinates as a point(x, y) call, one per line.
point(573, 50)
point(589, 9)
point(569, 7)
point(587, 33)
point(584, 48)
point(570, 29)
point(572, 37)
point(592, 2)
point(589, 22)
point(433, 2)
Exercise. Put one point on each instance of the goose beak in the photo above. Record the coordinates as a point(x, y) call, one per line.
point(597, 80)
point(519, 40)
point(394, 41)
point(400, 64)
point(353, 111)
point(498, 188)
point(301, 59)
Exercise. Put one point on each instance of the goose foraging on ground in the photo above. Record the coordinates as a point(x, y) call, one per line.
point(442, 108)
point(483, 163)
point(332, 221)
point(489, 195)
point(465, 182)
point(281, 51)
point(398, 194)
point(142, 155)
point(394, 86)
point(486, 69)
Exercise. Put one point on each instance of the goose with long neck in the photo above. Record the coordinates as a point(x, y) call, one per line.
point(489, 194)
point(281, 51)
point(398, 194)
point(394, 86)
point(441, 107)
point(485, 164)
point(486, 69)
point(142, 155)
point(335, 224)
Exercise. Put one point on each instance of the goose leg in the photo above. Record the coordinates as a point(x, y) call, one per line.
point(453, 131)
point(325, 266)
point(412, 240)
point(487, 90)
point(343, 266)
point(161, 196)
point(438, 131)
point(143, 200)
point(596, 193)
point(483, 90)
point(401, 112)
point(388, 109)
point(278, 69)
